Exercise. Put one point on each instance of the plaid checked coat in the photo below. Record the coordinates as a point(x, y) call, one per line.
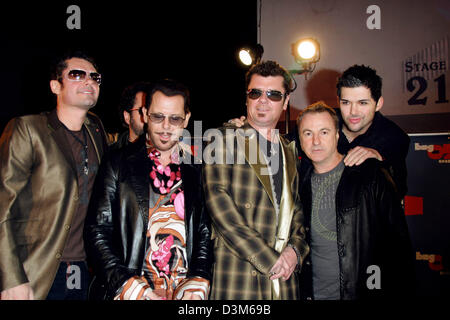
point(246, 231)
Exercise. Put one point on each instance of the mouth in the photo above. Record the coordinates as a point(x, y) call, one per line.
point(261, 112)
point(165, 136)
point(87, 90)
point(354, 120)
point(317, 150)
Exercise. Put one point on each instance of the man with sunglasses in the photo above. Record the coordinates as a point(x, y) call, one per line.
point(147, 230)
point(254, 204)
point(131, 103)
point(48, 163)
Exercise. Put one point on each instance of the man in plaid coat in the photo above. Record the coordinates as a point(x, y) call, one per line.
point(251, 185)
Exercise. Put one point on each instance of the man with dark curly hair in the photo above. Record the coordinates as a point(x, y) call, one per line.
point(254, 204)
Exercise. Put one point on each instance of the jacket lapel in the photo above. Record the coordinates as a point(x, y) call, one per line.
point(139, 169)
point(289, 160)
point(247, 139)
point(58, 134)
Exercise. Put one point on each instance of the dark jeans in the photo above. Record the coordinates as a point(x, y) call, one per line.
point(71, 282)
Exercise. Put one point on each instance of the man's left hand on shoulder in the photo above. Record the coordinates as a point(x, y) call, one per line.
point(359, 154)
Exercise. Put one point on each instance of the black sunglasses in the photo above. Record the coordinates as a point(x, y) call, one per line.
point(80, 75)
point(273, 95)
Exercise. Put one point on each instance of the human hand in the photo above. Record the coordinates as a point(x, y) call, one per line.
point(190, 296)
point(238, 122)
point(149, 294)
point(359, 154)
point(20, 292)
point(285, 265)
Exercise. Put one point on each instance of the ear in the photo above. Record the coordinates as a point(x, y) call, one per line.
point(144, 115)
point(126, 117)
point(186, 120)
point(379, 104)
point(55, 86)
point(286, 101)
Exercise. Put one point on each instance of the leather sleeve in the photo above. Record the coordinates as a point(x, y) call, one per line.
point(399, 251)
point(202, 249)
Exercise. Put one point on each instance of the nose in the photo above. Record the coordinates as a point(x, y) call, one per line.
point(263, 97)
point(316, 139)
point(89, 81)
point(165, 123)
point(353, 109)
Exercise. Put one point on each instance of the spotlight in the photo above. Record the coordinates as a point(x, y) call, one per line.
point(251, 54)
point(306, 53)
point(245, 57)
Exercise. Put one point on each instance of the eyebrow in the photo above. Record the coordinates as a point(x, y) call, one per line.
point(321, 129)
point(342, 99)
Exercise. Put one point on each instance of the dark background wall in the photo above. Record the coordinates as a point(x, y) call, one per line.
point(191, 41)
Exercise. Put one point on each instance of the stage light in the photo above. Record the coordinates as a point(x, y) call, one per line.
point(306, 53)
point(306, 49)
point(245, 57)
point(251, 54)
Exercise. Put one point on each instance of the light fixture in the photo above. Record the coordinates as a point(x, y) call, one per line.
point(306, 53)
point(250, 55)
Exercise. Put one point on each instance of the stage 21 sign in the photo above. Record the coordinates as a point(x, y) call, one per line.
point(419, 85)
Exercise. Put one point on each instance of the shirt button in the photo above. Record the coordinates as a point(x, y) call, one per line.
point(247, 205)
point(254, 273)
point(58, 255)
point(67, 227)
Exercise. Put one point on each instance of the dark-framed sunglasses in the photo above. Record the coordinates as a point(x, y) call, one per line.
point(273, 95)
point(160, 117)
point(80, 75)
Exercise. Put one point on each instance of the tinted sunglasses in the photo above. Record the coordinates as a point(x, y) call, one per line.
point(159, 117)
point(80, 75)
point(273, 95)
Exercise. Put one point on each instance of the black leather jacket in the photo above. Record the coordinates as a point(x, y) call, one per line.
point(116, 225)
point(371, 230)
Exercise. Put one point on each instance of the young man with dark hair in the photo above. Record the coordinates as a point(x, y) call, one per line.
point(48, 163)
point(365, 132)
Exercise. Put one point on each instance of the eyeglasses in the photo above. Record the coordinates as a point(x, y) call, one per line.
point(273, 95)
point(80, 75)
point(159, 117)
point(136, 109)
